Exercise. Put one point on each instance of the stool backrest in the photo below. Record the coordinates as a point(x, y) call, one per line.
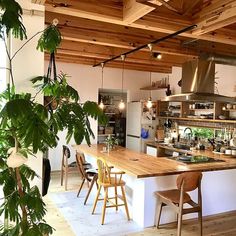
point(65, 155)
point(80, 160)
point(103, 171)
point(190, 181)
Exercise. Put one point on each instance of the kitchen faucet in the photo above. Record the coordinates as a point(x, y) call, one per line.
point(189, 135)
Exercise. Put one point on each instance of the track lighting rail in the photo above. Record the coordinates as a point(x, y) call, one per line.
point(147, 45)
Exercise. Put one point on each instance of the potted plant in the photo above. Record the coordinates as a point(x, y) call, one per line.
point(110, 142)
point(28, 127)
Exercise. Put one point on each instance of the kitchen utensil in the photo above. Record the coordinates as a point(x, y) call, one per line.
point(185, 158)
point(229, 106)
point(222, 117)
point(144, 133)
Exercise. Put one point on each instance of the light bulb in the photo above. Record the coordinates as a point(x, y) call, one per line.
point(101, 105)
point(121, 105)
point(149, 103)
point(159, 56)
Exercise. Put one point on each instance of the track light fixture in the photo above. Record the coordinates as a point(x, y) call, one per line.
point(150, 46)
point(157, 55)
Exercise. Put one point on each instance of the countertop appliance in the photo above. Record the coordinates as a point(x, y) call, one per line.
point(139, 119)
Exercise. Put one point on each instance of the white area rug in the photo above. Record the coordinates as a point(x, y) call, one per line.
point(83, 223)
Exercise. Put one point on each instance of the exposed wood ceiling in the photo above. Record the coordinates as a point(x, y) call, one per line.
point(97, 30)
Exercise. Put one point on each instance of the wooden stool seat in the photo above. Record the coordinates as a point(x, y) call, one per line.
point(113, 182)
point(174, 196)
point(91, 171)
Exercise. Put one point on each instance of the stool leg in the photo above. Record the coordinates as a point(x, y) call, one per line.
point(66, 179)
point(104, 205)
point(180, 215)
point(125, 202)
point(200, 221)
point(80, 187)
point(90, 188)
point(159, 210)
point(62, 175)
point(96, 200)
point(116, 201)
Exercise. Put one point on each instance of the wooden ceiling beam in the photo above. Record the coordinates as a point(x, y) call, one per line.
point(113, 64)
point(157, 3)
point(133, 10)
point(152, 22)
point(216, 15)
point(100, 33)
point(135, 59)
point(190, 6)
point(109, 52)
point(117, 41)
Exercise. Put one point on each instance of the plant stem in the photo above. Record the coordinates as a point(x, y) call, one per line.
point(10, 62)
point(26, 43)
point(21, 192)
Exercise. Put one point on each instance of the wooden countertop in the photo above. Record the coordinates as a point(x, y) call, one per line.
point(142, 165)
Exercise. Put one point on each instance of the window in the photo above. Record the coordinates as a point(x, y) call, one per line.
point(3, 64)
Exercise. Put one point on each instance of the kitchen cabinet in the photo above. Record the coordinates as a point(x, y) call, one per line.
point(152, 151)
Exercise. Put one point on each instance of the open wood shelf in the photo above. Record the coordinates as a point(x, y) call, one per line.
point(197, 119)
point(153, 88)
point(203, 109)
point(102, 135)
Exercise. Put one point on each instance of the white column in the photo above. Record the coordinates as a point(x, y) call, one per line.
point(29, 63)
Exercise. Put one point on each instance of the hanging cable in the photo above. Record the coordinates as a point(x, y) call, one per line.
point(101, 104)
point(149, 102)
point(122, 104)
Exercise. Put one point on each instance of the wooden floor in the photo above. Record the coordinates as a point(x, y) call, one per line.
point(219, 225)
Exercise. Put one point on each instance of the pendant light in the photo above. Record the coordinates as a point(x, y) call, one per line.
point(149, 102)
point(101, 104)
point(122, 104)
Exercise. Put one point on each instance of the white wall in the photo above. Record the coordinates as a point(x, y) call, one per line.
point(28, 64)
point(87, 80)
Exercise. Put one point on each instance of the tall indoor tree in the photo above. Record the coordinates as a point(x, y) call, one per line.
point(27, 127)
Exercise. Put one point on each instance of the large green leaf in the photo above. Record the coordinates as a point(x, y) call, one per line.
point(50, 39)
point(11, 19)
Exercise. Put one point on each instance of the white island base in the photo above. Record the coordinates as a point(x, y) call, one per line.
point(218, 195)
point(218, 191)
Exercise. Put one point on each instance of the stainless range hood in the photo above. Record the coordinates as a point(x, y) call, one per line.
point(198, 83)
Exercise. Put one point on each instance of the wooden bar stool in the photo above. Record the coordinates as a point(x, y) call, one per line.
point(67, 167)
point(89, 175)
point(108, 179)
point(176, 198)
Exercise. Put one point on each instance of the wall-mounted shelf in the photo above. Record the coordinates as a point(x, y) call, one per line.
point(153, 88)
point(104, 135)
point(203, 109)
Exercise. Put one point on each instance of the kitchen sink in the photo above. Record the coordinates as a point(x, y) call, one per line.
point(181, 146)
point(189, 159)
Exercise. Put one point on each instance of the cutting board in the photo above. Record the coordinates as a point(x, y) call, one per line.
point(160, 134)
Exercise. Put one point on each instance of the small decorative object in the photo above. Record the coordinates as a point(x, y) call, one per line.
point(110, 142)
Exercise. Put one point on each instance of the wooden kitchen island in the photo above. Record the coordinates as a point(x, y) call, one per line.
point(146, 174)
